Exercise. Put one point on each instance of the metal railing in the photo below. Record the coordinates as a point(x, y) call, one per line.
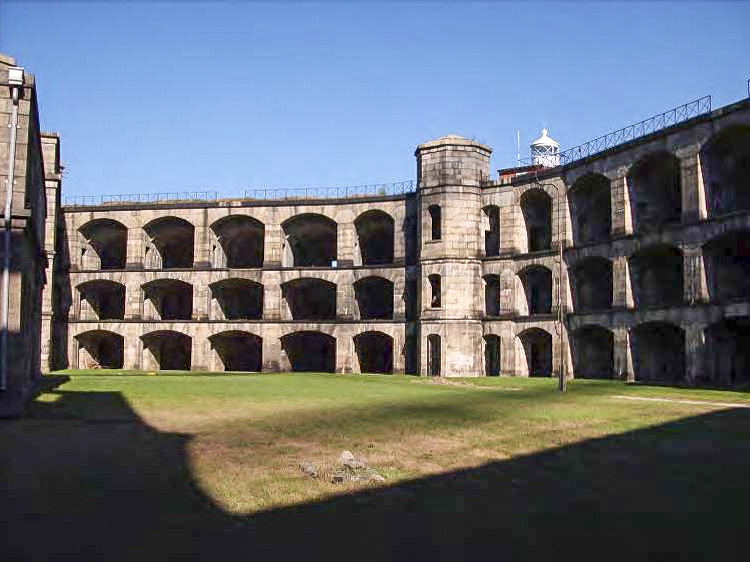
point(653, 124)
point(370, 190)
point(93, 200)
point(676, 115)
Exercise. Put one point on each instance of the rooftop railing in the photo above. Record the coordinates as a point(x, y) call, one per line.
point(259, 194)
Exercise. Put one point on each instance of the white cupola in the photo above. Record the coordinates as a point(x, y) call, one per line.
point(545, 151)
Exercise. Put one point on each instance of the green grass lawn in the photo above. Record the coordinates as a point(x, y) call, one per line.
point(212, 462)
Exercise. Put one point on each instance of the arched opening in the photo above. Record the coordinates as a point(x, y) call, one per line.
point(435, 291)
point(491, 295)
point(109, 241)
point(654, 189)
point(310, 241)
point(106, 299)
point(536, 207)
point(374, 298)
point(728, 352)
point(167, 350)
point(656, 277)
point(537, 288)
point(238, 299)
point(100, 349)
point(727, 262)
point(310, 351)
point(726, 170)
point(491, 230)
point(374, 352)
point(310, 299)
point(537, 348)
point(239, 240)
point(658, 351)
point(168, 299)
point(593, 353)
point(436, 221)
point(433, 355)
point(591, 281)
point(375, 234)
point(492, 355)
point(238, 350)
point(171, 243)
point(590, 204)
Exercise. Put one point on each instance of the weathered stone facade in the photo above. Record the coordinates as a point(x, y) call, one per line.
point(29, 171)
point(459, 278)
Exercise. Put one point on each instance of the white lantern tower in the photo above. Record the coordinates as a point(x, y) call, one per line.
point(545, 151)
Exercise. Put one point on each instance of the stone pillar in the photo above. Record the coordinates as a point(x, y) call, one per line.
point(622, 296)
point(133, 351)
point(135, 248)
point(199, 352)
point(695, 351)
point(345, 237)
point(272, 301)
point(399, 350)
point(133, 298)
point(695, 285)
point(623, 360)
point(272, 246)
point(201, 295)
point(202, 245)
point(344, 352)
point(622, 219)
point(399, 298)
point(345, 302)
point(691, 181)
point(274, 359)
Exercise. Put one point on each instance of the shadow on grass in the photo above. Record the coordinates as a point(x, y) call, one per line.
point(92, 487)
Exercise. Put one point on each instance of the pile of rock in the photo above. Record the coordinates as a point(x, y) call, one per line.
point(348, 469)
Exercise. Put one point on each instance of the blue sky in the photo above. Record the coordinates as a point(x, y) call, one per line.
point(161, 97)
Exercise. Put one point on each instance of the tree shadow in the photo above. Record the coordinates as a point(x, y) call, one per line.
point(83, 477)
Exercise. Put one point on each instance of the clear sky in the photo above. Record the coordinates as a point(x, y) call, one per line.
point(160, 97)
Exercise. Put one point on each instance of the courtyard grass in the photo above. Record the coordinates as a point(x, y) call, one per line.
point(486, 447)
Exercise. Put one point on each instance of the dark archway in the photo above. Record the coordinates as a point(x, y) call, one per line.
point(656, 277)
point(374, 352)
point(492, 355)
point(537, 347)
point(492, 232)
point(537, 287)
point(375, 232)
point(434, 355)
point(592, 349)
point(591, 281)
point(590, 204)
point(172, 299)
point(105, 349)
point(727, 262)
point(728, 352)
point(655, 193)
point(658, 350)
point(536, 207)
point(238, 350)
point(170, 350)
point(106, 298)
point(239, 299)
point(310, 351)
point(241, 239)
point(491, 295)
point(173, 238)
point(310, 299)
point(726, 170)
point(109, 239)
point(311, 240)
point(374, 298)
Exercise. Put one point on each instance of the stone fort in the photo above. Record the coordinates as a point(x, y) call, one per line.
point(627, 257)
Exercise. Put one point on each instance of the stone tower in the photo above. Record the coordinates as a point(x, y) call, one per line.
point(450, 172)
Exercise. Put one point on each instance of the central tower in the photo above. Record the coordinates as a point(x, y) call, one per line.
point(450, 174)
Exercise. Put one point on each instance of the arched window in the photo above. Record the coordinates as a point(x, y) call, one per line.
point(436, 221)
point(433, 355)
point(435, 296)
